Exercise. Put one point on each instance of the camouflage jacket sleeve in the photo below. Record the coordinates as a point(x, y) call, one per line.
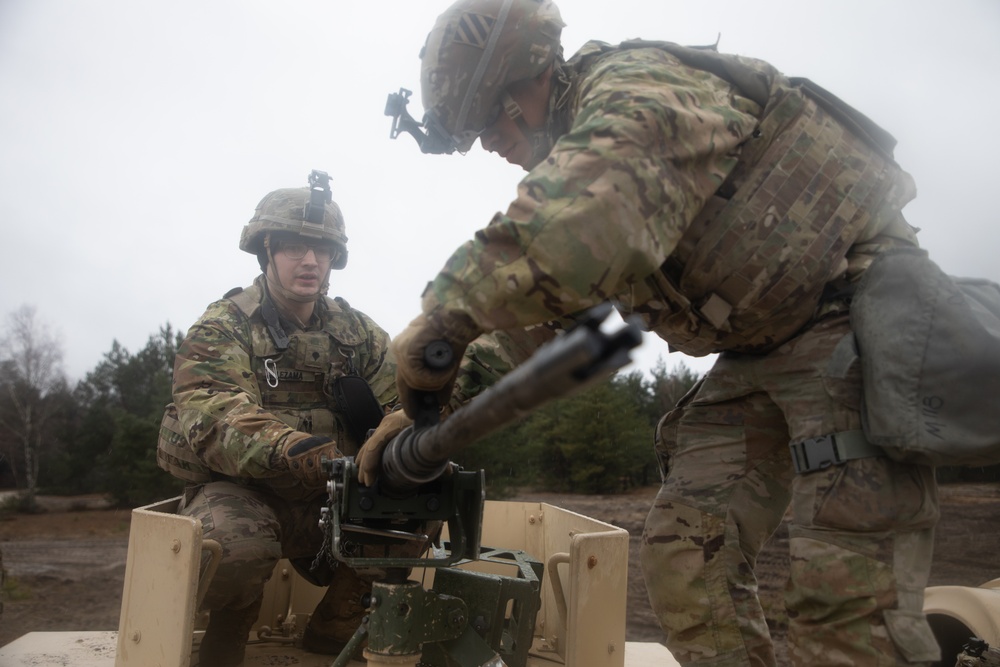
point(218, 400)
point(377, 364)
point(493, 355)
point(649, 141)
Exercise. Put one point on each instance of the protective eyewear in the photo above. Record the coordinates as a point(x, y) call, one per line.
point(296, 251)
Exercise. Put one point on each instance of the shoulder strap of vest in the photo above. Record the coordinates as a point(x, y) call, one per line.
point(342, 304)
point(751, 83)
point(249, 300)
point(246, 299)
point(754, 85)
point(346, 325)
point(858, 123)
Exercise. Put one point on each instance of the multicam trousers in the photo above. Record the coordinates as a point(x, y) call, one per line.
point(861, 533)
point(256, 530)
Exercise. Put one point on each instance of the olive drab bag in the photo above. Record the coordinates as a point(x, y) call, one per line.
point(930, 361)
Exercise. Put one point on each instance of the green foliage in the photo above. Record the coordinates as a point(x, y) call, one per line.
point(669, 386)
point(597, 441)
point(85, 464)
point(508, 460)
point(32, 389)
point(14, 591)
point(22, 503)
point(63, 470)
point(102, 436)
point(137, 479)
point(122, 401)
point(9, 505)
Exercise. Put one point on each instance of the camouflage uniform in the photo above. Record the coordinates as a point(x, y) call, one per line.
point(732, 209)
point(237, 397)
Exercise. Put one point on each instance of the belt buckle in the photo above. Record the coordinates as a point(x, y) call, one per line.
point(815, 454)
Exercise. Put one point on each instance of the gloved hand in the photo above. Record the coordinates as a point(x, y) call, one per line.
point(302, 454)
point(369, 458)
point(413, 373)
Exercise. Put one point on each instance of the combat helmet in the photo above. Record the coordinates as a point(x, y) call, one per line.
point(474, 52)
point(307, 212)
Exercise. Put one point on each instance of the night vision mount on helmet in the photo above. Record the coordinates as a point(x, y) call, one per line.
point(307, 212)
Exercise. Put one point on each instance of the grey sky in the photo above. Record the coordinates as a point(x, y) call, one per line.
point(138, 136)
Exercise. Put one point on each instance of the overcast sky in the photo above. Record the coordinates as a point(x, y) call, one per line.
point(137, 137)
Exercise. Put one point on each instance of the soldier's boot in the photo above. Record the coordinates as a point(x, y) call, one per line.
point(338, 614)
point(225, 641)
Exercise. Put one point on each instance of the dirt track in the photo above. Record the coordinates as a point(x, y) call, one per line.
point(66, 568)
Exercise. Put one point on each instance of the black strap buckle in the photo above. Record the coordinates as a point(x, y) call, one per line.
point(815, 454)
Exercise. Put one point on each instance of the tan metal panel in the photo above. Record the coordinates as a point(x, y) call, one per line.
point(164, 554)
point(162, 582)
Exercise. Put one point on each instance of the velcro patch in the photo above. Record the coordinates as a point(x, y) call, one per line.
point(473, 29)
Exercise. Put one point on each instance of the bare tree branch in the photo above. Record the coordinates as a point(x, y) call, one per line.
point(31, 359)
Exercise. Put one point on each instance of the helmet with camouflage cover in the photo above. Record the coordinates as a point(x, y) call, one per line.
point(287, 211)
point(474, 52)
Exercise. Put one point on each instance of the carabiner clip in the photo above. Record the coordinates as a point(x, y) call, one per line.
point(271, 373)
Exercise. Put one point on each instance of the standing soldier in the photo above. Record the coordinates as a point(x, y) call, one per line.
point(734, 210)
point(272, 379)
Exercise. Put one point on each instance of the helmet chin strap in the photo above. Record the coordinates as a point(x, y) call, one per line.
point(537, 137)
point(542, 139)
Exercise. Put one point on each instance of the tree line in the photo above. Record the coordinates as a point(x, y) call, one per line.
point(100, 435)
point(96, 437)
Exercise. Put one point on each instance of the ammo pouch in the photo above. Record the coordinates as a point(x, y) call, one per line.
point(930, 361)
point(353, 400)
point(173, 453)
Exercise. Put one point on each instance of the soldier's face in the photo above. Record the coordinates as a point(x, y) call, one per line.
point(303, 276)
point(504, 137)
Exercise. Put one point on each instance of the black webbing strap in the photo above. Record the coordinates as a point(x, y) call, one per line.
point(273, 321)
point(833, 449)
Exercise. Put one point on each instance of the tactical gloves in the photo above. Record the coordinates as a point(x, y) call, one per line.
point(302, 453)
point(369, 457)
point(416, 371)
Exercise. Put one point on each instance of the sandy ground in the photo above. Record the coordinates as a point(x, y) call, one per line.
point(65, 567)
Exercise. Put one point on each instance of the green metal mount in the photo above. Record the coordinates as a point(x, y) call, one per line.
point(362, 520)
point(469, 618)
point(502, 609)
